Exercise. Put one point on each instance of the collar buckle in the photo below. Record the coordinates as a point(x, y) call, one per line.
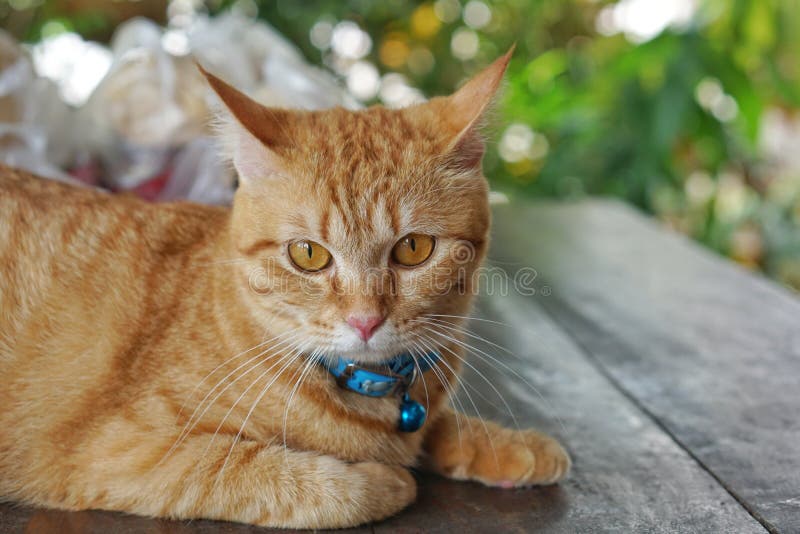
point(398, 384)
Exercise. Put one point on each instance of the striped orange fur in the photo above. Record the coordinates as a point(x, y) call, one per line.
point(155, 358)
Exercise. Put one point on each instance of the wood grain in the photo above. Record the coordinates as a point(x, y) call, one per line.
point(628, 475)
point(712, 352)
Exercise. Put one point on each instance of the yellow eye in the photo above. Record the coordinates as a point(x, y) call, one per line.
point(309, 255)
point(413, 249)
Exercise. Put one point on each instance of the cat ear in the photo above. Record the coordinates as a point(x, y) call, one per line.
point(465, 112)
point(252, 135)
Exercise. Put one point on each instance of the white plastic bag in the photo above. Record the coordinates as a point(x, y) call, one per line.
point(35, 125)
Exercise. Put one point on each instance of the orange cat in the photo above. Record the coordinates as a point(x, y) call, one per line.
point(179, 360)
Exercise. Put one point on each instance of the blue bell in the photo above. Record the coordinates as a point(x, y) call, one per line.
point(412, 415)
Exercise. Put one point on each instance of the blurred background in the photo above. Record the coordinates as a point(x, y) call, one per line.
point(688, 109)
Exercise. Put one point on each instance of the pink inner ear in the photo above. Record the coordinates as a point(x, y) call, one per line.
point(468, 152)
point(251, 158)
point(254, 132)
point(268, 125)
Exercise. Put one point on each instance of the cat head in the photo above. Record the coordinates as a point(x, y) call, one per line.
point(359, 229)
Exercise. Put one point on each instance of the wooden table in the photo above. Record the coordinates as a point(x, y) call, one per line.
point(671, 375)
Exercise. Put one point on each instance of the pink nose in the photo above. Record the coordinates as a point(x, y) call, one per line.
point(365, 324)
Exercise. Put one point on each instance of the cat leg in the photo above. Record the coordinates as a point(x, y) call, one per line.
point(266, 485)
point(491, 454)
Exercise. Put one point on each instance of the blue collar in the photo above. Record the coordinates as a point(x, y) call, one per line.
point(395, 376)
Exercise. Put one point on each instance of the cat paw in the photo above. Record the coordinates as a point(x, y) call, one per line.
point(387, 490)
point(504, 458)
point(347, 495)
point(525, 458)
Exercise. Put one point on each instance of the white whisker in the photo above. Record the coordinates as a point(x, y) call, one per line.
point(286, 358)
point(223, 364)
point(485, 379)
point(195, 419)
point(452, 397)
point(416, 352)
point(469, 397)
point(469, 319)
point(462, 330)
point(465, 318)
point(295, 355)
point(482, 355)
point(312, 360)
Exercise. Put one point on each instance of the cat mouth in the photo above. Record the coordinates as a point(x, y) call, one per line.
point(373, 357)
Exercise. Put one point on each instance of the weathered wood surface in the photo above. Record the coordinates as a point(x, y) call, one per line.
point(629, 476)
point(708, 350)
point(671, 377)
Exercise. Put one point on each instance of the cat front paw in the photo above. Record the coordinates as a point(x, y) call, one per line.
point(387, 490)
point(501, 457)
point(526, 458)
point(344, 495)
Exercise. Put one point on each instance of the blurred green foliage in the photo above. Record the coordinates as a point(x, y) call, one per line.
point(674, 125)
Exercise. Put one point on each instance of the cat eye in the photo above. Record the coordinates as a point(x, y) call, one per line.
point(413, 249)
point(309, 256)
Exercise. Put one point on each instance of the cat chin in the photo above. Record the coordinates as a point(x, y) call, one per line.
point(370, 355)
point(382, 347)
